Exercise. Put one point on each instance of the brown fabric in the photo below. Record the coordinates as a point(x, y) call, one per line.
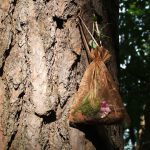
point(97, 99)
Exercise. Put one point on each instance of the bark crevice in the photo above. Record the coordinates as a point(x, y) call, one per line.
point(59, 22)
point(11, 140)
point(6, 53)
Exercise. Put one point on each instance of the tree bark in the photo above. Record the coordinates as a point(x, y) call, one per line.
point(42, 60)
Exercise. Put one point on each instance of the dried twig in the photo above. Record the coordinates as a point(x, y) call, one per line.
point(88, 31)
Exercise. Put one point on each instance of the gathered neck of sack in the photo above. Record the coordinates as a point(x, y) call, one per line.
point(100, 54)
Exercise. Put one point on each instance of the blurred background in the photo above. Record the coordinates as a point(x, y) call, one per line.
point(134, 76)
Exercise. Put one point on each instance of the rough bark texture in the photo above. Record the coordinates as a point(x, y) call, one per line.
point(42, 61)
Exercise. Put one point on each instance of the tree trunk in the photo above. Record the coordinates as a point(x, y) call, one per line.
point(144, 132)
point(42, 60)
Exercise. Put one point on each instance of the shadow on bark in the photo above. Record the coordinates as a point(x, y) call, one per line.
point(98, 138)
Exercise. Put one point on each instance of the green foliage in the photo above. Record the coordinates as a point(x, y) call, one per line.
point(92, 44)
point(97, 18)
point(94, 18)
point(86, 108)
point(134, 10)
point(134, 39)
point(97, 32)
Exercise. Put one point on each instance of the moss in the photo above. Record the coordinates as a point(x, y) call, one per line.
point(86, 108)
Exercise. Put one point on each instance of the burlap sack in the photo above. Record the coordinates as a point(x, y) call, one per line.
point(97, 99)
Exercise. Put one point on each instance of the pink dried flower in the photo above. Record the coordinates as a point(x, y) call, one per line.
point(104, 109)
